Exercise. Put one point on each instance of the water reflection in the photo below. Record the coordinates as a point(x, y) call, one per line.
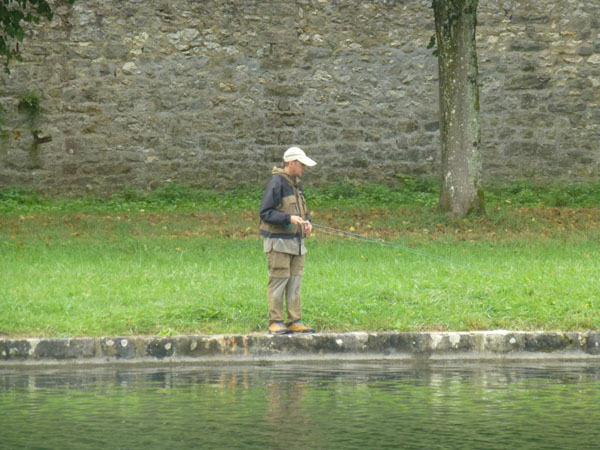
point(338, 406)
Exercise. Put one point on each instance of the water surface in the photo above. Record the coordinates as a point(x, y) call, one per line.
point(302, 405)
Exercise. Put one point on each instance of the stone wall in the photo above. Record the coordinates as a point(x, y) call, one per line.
point(136, 93)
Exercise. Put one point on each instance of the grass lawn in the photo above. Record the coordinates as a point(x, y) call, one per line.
point(84, 271)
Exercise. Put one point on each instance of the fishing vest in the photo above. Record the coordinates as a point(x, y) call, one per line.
point(292, 203)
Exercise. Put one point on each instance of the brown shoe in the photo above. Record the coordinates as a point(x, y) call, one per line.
point(299, 327)
point(278, 328)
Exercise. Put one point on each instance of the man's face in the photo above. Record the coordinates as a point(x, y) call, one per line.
point(296, 168)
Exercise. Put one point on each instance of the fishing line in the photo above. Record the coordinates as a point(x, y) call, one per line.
point(336, 232)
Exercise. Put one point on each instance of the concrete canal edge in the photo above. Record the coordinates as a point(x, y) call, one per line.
point(428, 346)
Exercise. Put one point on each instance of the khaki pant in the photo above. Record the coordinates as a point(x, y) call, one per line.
point(285, 278)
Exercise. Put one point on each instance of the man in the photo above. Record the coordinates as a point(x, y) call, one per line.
point(284, 223)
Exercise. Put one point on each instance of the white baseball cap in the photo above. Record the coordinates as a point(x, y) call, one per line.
point(297, 154)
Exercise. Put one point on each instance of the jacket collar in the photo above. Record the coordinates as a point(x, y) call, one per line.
point(294, 181)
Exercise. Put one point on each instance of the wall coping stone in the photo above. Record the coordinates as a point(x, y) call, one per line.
point(411, 346)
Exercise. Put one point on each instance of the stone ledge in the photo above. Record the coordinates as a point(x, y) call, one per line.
point(435, 346)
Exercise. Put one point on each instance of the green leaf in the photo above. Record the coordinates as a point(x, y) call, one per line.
point(431, 42)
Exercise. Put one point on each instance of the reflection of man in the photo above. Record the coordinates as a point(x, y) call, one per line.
point(284, 222)
point(287, 417)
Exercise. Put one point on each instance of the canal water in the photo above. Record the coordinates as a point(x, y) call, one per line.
point(302, 406)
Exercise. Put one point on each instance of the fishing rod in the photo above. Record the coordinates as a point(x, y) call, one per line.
point(336, 232)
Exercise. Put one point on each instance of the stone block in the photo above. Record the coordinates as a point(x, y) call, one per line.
point(119, 348)
point(592, 343)
point(567, 107)
point(160, 348)
point(407, 126)
point(529, 81)
point(528, 46)
point(594, 60)
point(545, 342)
point(15, 349)
point(61, 349)
point(284, 90)
point(585, 50)
point(525, 16)
point(432, 126)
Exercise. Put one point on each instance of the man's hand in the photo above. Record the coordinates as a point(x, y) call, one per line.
point(297, 220)
point(306, 225)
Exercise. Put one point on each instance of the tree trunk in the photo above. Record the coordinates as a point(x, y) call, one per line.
point(460, 135)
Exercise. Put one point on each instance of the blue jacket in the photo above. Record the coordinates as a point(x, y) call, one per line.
point(281, 199)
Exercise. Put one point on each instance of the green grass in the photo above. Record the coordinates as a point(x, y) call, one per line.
point(409, 192)
point(189, 261)
point(104, 276)
point(466, 287)
point(129, 287)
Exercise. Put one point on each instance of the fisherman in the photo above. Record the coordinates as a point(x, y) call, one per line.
point(284, 223)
